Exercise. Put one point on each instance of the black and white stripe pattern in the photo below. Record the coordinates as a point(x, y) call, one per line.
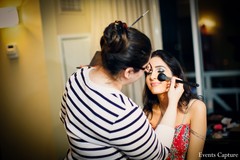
point(103, 123)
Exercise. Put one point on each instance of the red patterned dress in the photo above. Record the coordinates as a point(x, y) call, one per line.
point(180, 142)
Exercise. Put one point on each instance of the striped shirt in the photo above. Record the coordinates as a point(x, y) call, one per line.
point(103, 123)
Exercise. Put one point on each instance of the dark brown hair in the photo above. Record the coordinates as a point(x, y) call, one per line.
point(123, 47)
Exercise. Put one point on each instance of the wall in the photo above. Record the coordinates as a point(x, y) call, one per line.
point(25, 112)
point(54, 25)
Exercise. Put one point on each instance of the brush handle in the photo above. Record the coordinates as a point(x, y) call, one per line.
point(188, 83)
point(163, 77)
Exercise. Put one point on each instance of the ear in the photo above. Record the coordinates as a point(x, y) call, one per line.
point(128, 72)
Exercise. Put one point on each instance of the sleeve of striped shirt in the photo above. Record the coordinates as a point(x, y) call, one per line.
point(136, 138)
point(62, 112)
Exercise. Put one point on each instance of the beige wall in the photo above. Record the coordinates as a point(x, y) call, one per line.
point(31, 86)
point(56, 24)
point(26, 122)
point(73, 22)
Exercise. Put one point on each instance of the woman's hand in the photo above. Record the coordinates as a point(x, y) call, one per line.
point(175, 92)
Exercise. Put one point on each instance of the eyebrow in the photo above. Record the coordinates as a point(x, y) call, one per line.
point(160, 66)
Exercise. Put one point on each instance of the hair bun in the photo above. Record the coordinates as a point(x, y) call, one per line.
point(123, 47)
point(114, 38)
point(120, 27)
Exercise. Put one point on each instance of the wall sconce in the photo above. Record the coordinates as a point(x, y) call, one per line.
point(8, 17)
point(207, 25)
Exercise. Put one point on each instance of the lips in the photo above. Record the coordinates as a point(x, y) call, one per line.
point(153, 84)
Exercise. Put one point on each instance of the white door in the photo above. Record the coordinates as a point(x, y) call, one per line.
point(75, 51)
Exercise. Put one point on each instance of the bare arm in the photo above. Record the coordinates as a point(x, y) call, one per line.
point(198, 130)
point(169, 117)
point(174, 94)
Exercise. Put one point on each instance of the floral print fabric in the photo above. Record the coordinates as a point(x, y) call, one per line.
point(180, 142)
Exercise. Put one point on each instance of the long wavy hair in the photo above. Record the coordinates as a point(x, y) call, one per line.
point(150, 99)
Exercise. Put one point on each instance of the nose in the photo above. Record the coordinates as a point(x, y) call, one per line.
point(154, 75)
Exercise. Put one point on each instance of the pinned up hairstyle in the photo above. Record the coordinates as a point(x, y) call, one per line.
point(123, 47)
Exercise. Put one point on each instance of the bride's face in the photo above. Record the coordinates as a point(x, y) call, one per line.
point(154, 85)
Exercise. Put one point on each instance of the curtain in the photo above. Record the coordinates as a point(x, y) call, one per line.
point(103, 12)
